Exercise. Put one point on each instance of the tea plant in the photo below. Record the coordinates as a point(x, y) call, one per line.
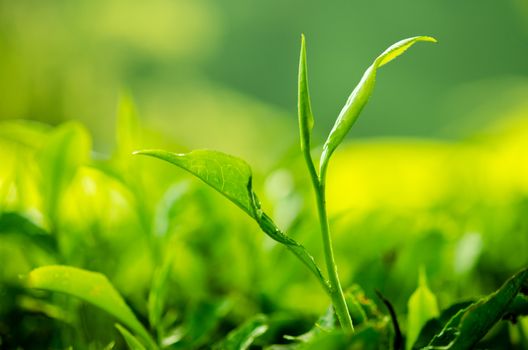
point(353, 321)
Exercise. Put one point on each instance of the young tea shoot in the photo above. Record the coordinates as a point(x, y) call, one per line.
point(232, 177)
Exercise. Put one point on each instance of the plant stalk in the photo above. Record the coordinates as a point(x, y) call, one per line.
point(336, 291)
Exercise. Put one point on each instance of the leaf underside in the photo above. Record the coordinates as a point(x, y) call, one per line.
point(232, 177)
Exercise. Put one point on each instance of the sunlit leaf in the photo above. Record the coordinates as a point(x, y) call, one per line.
point(24, 132)
point(66, 149)
point(422, 307)
point(132, 342)
point(91, 287)
point(128, 134)
point(228, 175)
point(242, 337)
point(306, 119)
point(360, 96)
point(232, 177)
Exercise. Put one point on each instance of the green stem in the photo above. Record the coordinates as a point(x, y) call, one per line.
point(336, 291)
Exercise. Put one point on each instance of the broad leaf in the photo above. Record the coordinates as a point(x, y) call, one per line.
point(91, 287)
point(242, 337)
point(471, 324)
point(132, 342)
point(232, 177)
point(306, 119)
point(228, 175)
point(360, 96)
point(422, 307)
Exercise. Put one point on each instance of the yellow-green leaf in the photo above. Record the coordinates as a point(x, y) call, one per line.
point(91, 287)
point(422, 307)
point(360, 96)
point(66, 149)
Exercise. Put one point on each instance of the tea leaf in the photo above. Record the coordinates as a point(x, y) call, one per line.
point(422, 307)
point(306, 119)
point(242, 337)
point(360, 96)
point(91, 287)
point(132, 342)
point(471, 324)
point(232, 177)
point(228, 175)
point(158, 291)
point(67, 148)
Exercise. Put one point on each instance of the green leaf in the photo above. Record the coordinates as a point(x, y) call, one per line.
point(158, 291)
point(242, 337)
point(422, 307)
point(91, 287)
point(360, 96)
point(67, 148)
point(232, 177)
point(228, 175)
point(132, 342)
point(324, 324)
point(471, 324)
point(24, 133)
point(306, 119)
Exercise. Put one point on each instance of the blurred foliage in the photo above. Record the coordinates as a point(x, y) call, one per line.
point(452, 200)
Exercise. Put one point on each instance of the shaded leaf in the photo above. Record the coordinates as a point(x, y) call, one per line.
point(158, 291)
point(435, 325)
point(422, 307)
point(91, 287)
point(242, 337)
point(306, 119)
point(471, 324)
point(360, 96)
point(324, 324)
point(132, 342)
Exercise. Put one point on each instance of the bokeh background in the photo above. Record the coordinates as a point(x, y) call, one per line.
point(191, 64)
point(434, 174)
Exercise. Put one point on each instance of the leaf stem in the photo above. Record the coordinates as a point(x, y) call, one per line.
point(336, 291)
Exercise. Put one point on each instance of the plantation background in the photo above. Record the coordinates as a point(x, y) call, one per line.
point(434, 176)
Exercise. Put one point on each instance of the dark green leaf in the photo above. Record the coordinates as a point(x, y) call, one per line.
point(360, 96)
point(471, 324)
point(325, 324)
point(91, 287)
point(132, 342)
point(434, 326)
